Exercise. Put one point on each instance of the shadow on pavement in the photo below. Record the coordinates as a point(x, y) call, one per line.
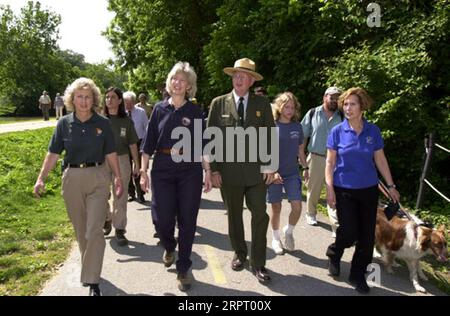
point(211, 205)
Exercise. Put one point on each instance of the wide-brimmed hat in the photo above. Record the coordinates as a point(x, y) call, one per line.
point(245, 65)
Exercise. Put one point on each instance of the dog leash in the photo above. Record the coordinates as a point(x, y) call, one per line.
point(386, 193)
point(417, 221)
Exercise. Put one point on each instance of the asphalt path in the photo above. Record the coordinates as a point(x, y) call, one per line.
point(137, 269)
point(23, 126)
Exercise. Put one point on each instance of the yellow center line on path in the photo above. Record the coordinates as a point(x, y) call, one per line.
point(214, 264)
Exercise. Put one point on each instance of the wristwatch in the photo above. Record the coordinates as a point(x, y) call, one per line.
point(391, 186)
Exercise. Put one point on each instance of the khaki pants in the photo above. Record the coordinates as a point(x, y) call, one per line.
point(314, 186)
point(59, 111)
point(85, 192)
point(118, 215)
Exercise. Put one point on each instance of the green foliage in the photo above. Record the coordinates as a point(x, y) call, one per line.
point(304, 46)
point(32, 62)
point(35, 234)
point(399, 72)
point(148, 45)
point(28, 43)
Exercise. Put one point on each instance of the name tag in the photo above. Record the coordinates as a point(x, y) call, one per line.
point(123, 132)
point(225, 115)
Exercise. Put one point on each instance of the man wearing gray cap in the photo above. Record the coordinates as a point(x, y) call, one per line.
point(316, 125)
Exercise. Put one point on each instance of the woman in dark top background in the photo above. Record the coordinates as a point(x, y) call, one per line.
point(126, 143)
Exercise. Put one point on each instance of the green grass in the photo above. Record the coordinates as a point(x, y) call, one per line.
point(438, 273)
point(35, 235)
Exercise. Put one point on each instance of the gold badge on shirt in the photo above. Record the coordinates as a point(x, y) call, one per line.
point(258, 114)
point(186, 121)
point(99, 131)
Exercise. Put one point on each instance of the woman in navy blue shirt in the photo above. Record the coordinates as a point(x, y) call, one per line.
point(176, 184)
point(354, 153)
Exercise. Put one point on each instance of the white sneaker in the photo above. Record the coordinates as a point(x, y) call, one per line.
point(289, 242)
point(311, 220)
point(277, 247)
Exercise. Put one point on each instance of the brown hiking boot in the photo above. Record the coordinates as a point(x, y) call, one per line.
point(168, 258)
point(184, 282)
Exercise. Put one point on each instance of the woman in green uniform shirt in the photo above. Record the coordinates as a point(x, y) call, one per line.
point(126, 143)
point(87, 140)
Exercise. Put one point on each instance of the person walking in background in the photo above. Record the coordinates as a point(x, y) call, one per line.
point(126, 145)
point(59, 106)
point(243, 179)
point(148, 108)
point(140, 121)
point(286, 112)
point(317, 124)
point(176, 186)
point(88, 141)
point(354, 153)
point(45, 103)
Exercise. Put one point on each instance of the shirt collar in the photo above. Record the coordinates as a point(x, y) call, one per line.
point(236, 98)
point(322, 109)
point(132, 109)
point(73, 119)
point(167, 105)
point(348, 128)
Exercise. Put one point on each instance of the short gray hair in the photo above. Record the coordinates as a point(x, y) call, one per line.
point(81, 83)
point(191, 76)
point(129, 95)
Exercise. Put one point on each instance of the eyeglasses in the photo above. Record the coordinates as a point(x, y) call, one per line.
point(240, 76)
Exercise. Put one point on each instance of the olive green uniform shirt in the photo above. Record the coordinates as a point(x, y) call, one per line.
point(124, 133)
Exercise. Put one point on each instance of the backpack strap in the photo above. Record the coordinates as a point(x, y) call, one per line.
point(311, 114)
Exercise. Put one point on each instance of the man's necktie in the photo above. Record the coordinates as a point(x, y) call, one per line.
point(241, 111)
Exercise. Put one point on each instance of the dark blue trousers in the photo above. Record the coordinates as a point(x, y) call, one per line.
point(176, 194)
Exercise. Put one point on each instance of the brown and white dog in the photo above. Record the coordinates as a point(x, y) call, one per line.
point(404, 239)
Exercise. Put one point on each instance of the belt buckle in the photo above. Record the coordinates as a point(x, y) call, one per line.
point(82, 165)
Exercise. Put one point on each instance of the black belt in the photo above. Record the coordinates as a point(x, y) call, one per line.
point(320, 155)
point(170, 151)
point(84, 165)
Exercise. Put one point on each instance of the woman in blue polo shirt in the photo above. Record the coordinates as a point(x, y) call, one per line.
point(354, 153)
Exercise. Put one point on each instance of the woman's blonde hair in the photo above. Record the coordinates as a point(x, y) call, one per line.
point(81, 83)
point(365, 100)
point(191, 76)
point(281, 100)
